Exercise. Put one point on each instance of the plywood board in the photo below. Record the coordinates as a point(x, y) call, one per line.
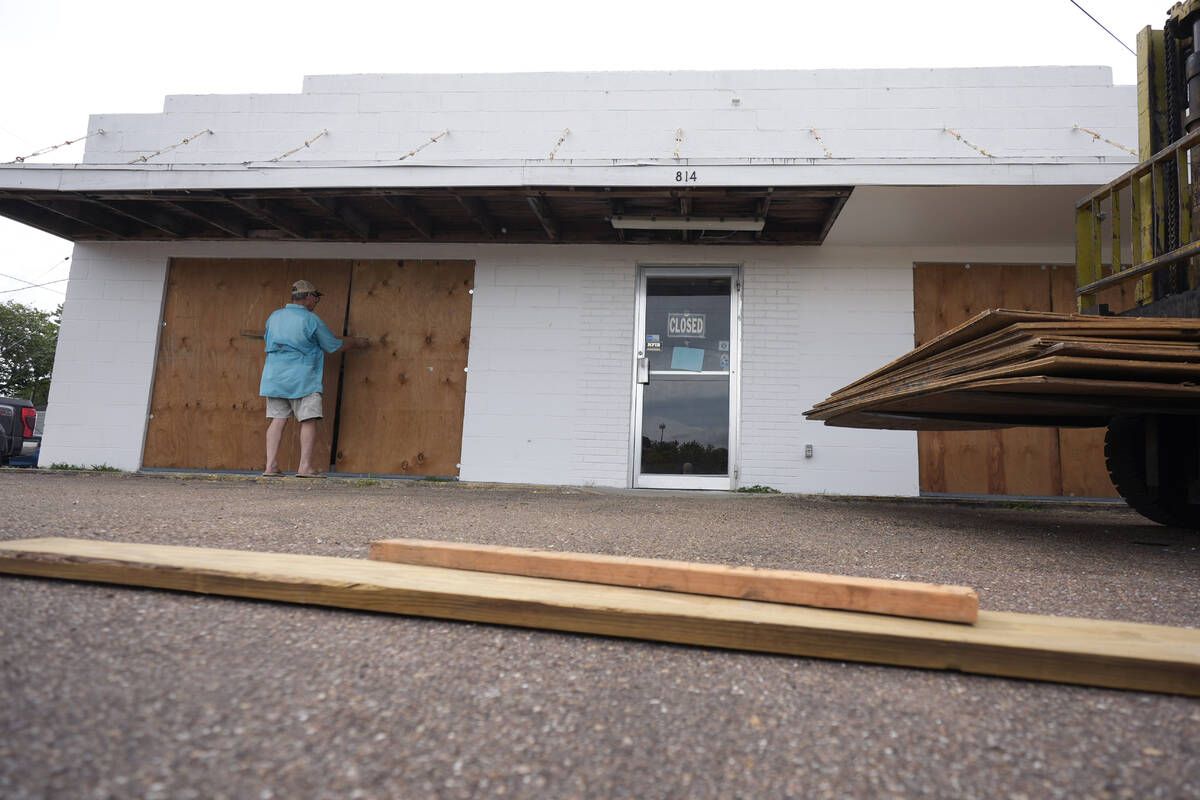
point(403, 398)
point(1017, 345)
point(1000, 321)
point(1016, 461)
point(1070, 650)
point(1028, 400)
point(206, 412)
point(1082, 452)
point(1116, 370)
point(873, 595)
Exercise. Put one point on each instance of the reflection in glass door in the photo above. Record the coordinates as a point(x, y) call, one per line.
point(686, 353)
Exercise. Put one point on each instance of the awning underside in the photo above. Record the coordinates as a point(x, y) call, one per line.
point(570, 215)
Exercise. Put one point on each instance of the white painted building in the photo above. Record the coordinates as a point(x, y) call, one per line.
point(900, 167)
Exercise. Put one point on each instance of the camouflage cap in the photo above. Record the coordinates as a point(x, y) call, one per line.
point(306, 287)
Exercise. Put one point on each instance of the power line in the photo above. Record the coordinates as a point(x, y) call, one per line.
point(57, 264)
point(1106, 30)
point(32, 285)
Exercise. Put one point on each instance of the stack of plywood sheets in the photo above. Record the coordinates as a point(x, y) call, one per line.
point(1008, 368)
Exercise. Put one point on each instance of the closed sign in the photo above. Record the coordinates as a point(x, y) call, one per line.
point(685, 326)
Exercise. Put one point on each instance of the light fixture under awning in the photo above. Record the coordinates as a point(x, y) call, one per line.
point(688, 223)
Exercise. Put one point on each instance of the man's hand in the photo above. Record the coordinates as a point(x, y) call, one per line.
point(357, 342)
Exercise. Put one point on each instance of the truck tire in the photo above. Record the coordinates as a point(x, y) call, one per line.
point(1154, 462)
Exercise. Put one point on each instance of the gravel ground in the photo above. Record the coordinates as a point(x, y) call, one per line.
point(110, 691)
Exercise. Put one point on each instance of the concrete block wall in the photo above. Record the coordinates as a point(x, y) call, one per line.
point(810, 326)
point(1007, 112)
point(550, 371)
point(550, 382)
point(522, 402)
point(104, 362)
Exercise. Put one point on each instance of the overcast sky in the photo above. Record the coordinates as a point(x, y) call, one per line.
point(62, 61)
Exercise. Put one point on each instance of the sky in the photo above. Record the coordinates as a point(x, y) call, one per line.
point(61, 61)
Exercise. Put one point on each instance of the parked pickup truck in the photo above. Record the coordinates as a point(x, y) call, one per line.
point(17, 421)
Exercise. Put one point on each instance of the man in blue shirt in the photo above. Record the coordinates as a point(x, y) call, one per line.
point(297, 341)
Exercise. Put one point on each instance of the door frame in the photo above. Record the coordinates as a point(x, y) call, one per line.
point(697, 482)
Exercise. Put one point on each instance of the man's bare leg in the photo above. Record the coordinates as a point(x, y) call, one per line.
point(274, 437)
point(308, 436)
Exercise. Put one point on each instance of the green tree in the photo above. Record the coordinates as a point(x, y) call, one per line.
point(28, 337)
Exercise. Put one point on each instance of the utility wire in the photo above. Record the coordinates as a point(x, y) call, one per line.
point(1106, 30)
point(33, 285)
point(57, 264)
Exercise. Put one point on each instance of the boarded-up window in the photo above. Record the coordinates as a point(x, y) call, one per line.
point(402, 399)
point(1011, 461)
point(206, 412)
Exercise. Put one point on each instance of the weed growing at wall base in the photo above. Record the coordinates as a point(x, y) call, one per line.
point(92, 468)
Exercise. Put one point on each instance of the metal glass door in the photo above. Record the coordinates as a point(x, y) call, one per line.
point(685, 393)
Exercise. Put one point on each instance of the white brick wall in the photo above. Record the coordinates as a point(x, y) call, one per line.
point(550, 369)
point(104, 362)
point(809, 329)
point(602, 430)
point(548, 388)
point(1009, 112)
point(521, 403)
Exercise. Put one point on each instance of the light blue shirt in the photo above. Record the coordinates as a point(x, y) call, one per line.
point(297, 341)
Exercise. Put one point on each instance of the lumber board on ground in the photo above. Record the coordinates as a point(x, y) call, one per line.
point(1069, 650)
point(872, 595)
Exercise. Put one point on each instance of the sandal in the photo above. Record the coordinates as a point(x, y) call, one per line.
point(309, 475)
point(272, 475)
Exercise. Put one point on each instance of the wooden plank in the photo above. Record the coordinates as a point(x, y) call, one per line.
point(1117, 372)
point(982, 324)
point(1152, 137)
point(1052, 384)
point(1021, 461)
point(1083, 467)
point(997, 320)
point(1028, 327)
point(1105, 653)
point(960, 462)
point(1085, 260)
point(873, 595)
point(1027, 460)
point(1010, 346)
point(1006, 402)
point(206, 412)
point(403, 397)
point(1022, 353)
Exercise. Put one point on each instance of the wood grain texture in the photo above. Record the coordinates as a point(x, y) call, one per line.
point(1069, 650)
point(206, 410)
point(871, 595)
point(403, 398)
point(1081, 450)
point(1026, 461)
point(998, 321)
point(1006, 402)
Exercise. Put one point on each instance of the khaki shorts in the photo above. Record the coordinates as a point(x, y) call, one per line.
point(302, 408)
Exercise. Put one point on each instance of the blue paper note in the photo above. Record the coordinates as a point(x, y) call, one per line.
point(687, 358)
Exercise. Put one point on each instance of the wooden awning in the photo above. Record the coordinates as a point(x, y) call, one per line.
point(532, 214)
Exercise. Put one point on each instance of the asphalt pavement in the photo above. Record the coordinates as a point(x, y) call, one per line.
point(117, 692)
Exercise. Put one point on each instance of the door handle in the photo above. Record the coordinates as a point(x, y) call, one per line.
point(643, 369)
